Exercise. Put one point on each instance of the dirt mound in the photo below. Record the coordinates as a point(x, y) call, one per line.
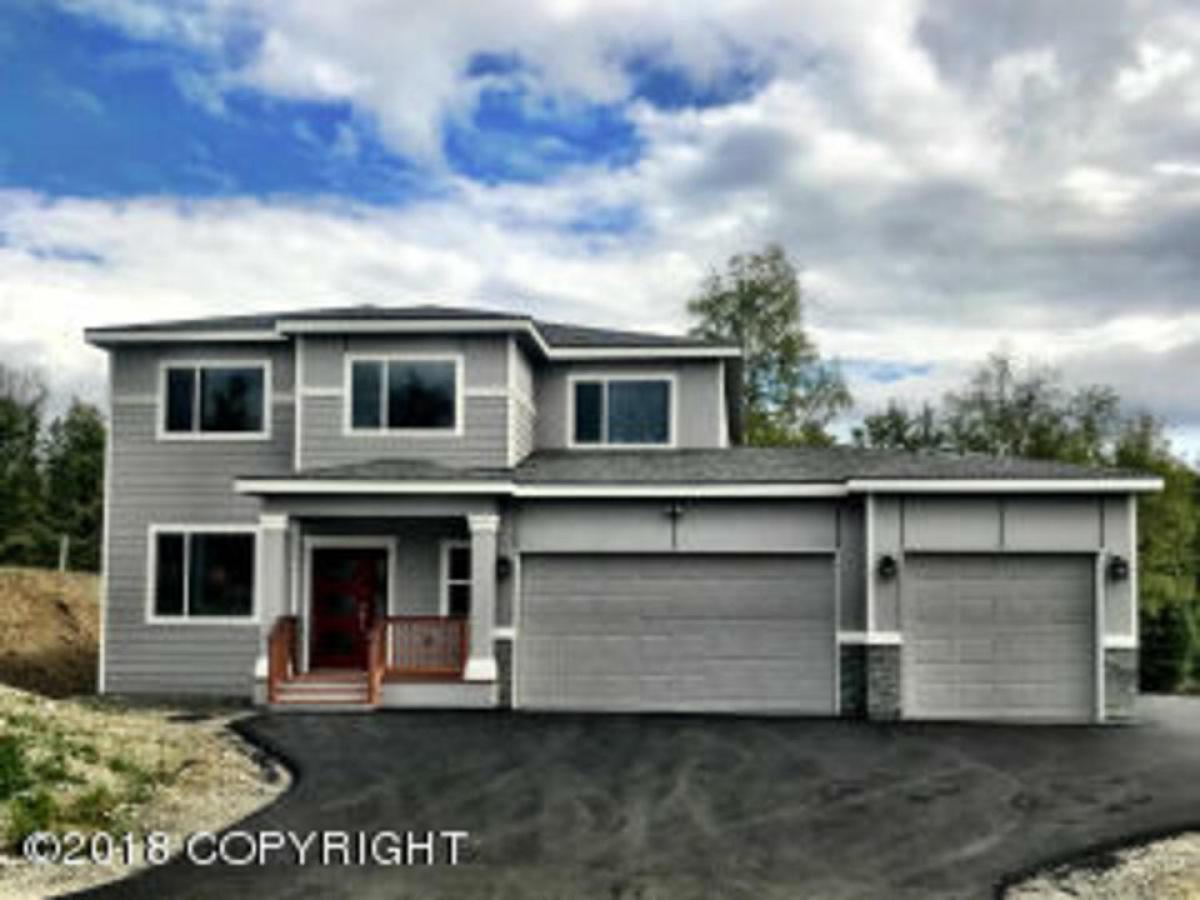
point(49, 631)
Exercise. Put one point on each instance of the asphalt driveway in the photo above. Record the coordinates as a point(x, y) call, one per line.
point(653, 807)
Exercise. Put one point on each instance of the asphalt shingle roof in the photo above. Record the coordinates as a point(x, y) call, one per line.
point(556, 334)
point(734, 465)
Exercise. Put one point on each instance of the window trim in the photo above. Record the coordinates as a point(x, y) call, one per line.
point(605, 378)
point(444, 579)
point(197, 364)
point(348, 429)
point(186, 619)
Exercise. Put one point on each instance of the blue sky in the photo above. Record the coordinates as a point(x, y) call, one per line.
point(949, 182)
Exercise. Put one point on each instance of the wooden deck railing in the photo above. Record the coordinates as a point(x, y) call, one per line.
point(281, 655)
point(427, 645)
point(376, 660)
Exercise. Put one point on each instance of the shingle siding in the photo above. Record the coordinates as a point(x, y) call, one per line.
point(483, 442)
point(484, 438)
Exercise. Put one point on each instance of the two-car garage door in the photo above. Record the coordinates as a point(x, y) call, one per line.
point(712, 632)
point(999, 636)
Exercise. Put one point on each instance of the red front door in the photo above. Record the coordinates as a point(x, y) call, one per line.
point(349, 592)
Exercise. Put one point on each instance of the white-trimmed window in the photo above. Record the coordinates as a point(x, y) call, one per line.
point(411, 395)
point(214, 400)
point(202, 573)
point(455, 594)
point(625, 411)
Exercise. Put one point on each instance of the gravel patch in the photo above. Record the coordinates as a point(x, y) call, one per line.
point(190, 772)
point(1164, 870)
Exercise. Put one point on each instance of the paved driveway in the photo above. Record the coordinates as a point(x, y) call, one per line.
point(648, 807)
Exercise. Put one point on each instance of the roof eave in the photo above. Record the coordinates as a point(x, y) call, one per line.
point(100, 337)
point(934, 485)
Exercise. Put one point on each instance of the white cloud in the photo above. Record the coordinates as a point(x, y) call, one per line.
point(948, 183)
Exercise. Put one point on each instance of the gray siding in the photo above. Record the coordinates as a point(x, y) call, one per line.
point(484, 440)
point(852, 571)
point(698, 417)
point(642, 526)
point(177, 482)
point(522, 412)
point(135, 369)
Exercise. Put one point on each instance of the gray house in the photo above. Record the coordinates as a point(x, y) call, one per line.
point(435, 507)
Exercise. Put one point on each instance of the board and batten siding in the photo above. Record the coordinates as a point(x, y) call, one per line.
point(698, 398)
point(1010, 525)
point(483, 439)
point(181, 482)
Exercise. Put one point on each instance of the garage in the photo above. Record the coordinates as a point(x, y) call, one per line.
point(1000, 637)
point(677, 632)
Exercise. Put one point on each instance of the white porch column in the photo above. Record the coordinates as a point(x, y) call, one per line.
point(273, 588)
point(481, 660)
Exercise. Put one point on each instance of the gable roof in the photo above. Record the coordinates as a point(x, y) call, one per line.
point(270, 325)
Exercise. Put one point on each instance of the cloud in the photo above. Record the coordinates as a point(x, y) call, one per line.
point(950, 178)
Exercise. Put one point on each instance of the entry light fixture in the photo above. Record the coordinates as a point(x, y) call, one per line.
point(888, 567)
point(1118, 568)
point(504, 565)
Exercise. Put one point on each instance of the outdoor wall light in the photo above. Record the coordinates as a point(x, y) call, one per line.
point(1118, 568)
point(503, 567)
point(888, 567)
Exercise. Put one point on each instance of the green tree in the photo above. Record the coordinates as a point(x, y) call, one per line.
point(74, 480)
point(790, 394)
point(24, 538)
point(1168, 536)
point(1007, 410)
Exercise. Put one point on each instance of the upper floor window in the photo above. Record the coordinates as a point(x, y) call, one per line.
point(404, 394)
point(204, 399)
point(202, 574)
point(623, 411)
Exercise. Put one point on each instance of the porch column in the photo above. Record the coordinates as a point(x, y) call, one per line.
point(481, 661)
point(272, 589)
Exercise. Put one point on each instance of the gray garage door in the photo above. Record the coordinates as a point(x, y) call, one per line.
point(990, 637)
point(682, 632)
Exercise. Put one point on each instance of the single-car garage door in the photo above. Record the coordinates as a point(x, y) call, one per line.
point(992, 637)
point(681, 632)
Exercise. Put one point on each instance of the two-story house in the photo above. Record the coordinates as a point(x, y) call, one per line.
point(429, 506)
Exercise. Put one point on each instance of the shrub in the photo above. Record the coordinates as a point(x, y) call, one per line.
point(1167, 641)
point(14, 768)
point(28, 813)
point(94, 808)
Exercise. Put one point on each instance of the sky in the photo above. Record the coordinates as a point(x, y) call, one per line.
point(952, 177)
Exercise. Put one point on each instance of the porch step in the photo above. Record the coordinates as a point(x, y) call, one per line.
point(324, 691)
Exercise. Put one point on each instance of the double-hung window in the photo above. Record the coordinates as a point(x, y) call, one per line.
point(202, 574)
point(409, 395)
point(214, 400)
point(456, 578)
point(623, 411)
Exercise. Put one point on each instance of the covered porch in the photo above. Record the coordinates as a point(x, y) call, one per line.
point(380, 601)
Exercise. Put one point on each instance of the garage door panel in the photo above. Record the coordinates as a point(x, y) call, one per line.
point(999, 637)
point(660, 633)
